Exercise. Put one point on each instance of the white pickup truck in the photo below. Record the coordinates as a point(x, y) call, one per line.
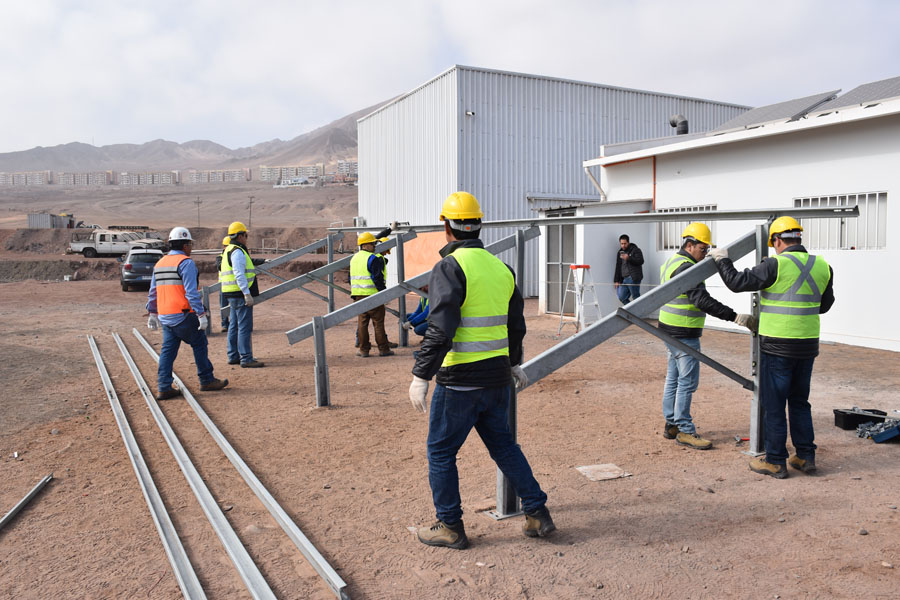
point(102, 241)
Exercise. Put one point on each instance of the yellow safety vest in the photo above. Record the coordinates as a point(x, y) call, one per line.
point(679, 312)
point(789, 308)
point(482, 331)
point(226, 271)
point(361, 283)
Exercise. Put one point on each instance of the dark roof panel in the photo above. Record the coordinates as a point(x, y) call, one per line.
point(864, 94)
point(786, 111)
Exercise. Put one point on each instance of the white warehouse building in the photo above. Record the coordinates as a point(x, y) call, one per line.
point(824, 150)
point(515, 141)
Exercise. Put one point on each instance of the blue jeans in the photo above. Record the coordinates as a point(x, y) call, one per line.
point(786, 380)
point(188, 332)
point(628, 290)
point(240, 328)
point(682, 378)
point(453, 414)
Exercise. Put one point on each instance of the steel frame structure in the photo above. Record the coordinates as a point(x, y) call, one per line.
point(24, 501)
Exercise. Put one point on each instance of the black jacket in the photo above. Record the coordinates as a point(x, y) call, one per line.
point(699, 297)
point(762, 276)
point(446, 293)
point(632, 266)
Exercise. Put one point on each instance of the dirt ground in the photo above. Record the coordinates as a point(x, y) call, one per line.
point(354, 476)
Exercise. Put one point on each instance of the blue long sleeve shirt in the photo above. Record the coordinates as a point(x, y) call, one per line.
point(187, 269)
point(421, 314)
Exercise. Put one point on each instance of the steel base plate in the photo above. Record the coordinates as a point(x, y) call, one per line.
point(500, 516)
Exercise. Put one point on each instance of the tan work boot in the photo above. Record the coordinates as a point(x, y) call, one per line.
point(693, 440)
point(441, 534)
point(538, 523)
point(764, 467)
point(670, 431)
point(807, 466)
point(215, 384)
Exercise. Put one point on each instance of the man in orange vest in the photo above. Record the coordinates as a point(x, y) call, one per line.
point(174, 303)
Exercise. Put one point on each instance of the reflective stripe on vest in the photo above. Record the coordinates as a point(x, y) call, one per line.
point(482, 331)
point(361, 283)
point(789, 308)
point(679, 312)
point(226, 271)
point(170, 298)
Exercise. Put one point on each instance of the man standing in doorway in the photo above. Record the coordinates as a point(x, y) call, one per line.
point(629, 270)
point(367, 271)
point(238, 278)
point(683, 318)
point(174, 304)
point(796, 288)
point(474, 345)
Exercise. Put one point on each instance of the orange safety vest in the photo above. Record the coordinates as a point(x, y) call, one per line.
point(170, 298)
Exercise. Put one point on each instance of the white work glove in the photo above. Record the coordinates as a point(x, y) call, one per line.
point(248, 299)
point(748, 321)
point(153, 322)
point(718, 254)
point(519, 376)
point(418, 394)
point(204, 322)
point(407, 325)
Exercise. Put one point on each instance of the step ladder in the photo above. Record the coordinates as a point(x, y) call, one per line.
point(582, 289)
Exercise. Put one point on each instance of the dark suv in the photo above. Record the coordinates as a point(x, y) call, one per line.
point(137, 267)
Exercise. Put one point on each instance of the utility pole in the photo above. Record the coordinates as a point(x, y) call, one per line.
point(197, 202)
point(250, 220)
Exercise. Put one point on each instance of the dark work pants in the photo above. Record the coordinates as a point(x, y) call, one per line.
point(786, 380)
point(376, 315)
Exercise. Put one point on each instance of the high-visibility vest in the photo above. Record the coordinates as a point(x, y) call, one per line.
point(361, 283)
point(789, 308)
point(679, 312)
point(170, 298)
point(482, 331)
point(226, 271)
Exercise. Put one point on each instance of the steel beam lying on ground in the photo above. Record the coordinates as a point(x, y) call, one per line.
point(392, 293)
point(325, 570)
point(247, 569)
point(21, 503)
point(181, 565)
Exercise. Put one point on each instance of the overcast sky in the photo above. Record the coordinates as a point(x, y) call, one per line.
point(238, 73)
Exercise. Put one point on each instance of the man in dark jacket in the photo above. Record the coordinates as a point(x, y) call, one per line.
point(796, 288)
point(683, 318)
point(474, 335)
point(629, 273)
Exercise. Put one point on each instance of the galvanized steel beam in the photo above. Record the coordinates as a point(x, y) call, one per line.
point(24, 501)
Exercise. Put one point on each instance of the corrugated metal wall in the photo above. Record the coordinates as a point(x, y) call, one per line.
point(528, 136)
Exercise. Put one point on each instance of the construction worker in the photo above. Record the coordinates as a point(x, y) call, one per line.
point(237, 274)
point(367, 277)
point(796, 288)
point(418, 321)
point(474, 345)
point(226, 241)
point(174, 303)
point(683, 319)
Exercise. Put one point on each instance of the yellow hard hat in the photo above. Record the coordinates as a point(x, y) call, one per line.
point(226, 241)
point(782, 225)
point(236, 228)
point(461, 205)
point(699, 232)
point(365, 238)
point(383, 240)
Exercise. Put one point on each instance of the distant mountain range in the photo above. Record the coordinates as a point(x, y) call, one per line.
point(326, 145)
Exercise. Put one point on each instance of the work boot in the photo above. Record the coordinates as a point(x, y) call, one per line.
point(693, 440)
point(670, 431)
point(387, 353)
point(212, 386)
point(538, 523)
point(234, 361)
point(441, 534)
point(807, 466)
point(252, 364)
point(764, 467)
point(166, 394)
point(393, 344)
point(363, 353)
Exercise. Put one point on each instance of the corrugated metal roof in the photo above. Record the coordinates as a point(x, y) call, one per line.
point(864, 94)
point(790, 110)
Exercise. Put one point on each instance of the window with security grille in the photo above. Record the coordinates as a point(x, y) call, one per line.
point(668, 234)
point(868, 231)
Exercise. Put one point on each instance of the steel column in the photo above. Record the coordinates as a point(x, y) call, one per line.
point(403, 334)
point(520, 260)
point(757, 432)
point(330, 251)
point(322, 386)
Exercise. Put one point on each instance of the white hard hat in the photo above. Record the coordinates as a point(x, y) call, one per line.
point(180, 233)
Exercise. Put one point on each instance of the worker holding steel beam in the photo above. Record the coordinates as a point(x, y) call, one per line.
point(683, 318)
point(237, 274)
point(796, 288)
point(474, 345)
point(174, 304)
point(367, 277)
